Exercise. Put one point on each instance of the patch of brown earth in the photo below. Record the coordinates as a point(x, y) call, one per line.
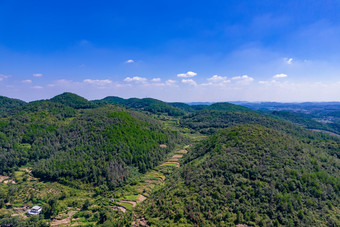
point(140, 198)
point(123, 209)
point(6, 180)
point(177, 156)
point(20, 211)
point(64, 221)
point(139, 222)
point(163, 146)
point(2, 178)
point(182, 151)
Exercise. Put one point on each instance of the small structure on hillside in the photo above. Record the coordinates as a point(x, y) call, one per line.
point(35, 210)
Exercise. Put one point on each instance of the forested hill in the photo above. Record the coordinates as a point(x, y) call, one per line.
point(220, 106)
point(252, 175)
point(8, 105)
point(73, 100)
point(69, 140)
point(147, 104)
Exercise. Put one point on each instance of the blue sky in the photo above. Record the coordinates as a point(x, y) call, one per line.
point(171, 50)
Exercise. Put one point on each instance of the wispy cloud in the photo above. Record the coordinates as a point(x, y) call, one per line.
point(37, 74)
point(281, 75)
point(156, 80)
point(37, 87)
point(189, 81)
point(170, 82)
point(135, 79)
point(129, 61)
point(26, 81)
point(288, 60)
point(244, 80)
point(187, 74)
point(98, 82)
point(2, 77)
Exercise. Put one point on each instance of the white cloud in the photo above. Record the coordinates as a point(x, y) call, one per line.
point(189, 81)
point(129, 61)
point(135, 79)
point(2, 77)
point(288, 61)
point(98, 82)
point(170, 82)
point(26, 81)
point(264, 82)
point(217, 80)
point(156, 80)
point(37, 87)
point(244, 80)
point(280, 75)
point(187, 74)
point(37, 75)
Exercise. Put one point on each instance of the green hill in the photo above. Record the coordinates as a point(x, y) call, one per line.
point(147, 104)
point(187, 107)
point(225, 106)
point(210, 121)
point(8, 105)
point(73, 100)
point(76, 146)
point(251, 175)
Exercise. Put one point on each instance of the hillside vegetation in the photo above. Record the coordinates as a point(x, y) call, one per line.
point(252, 175)
point(130, 162)
point(153, 106)
point(75, 146)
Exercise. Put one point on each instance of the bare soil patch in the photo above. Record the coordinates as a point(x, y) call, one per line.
point(140, 222)
point(182, 151)
point(2, 178)
point(141, 198)
point(163, 145)
point(177, 156)
point(6, 180)
point(64, 221)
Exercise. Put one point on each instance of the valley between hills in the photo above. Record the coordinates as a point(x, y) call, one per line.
point(145, 162)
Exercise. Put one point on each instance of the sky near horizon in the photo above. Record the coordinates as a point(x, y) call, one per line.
point(189, 51)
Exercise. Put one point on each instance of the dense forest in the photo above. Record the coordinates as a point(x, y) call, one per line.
point(252, 175)
point(68, 140)
point(115, 162)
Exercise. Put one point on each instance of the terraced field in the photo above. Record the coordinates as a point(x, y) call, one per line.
point(134, 194)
